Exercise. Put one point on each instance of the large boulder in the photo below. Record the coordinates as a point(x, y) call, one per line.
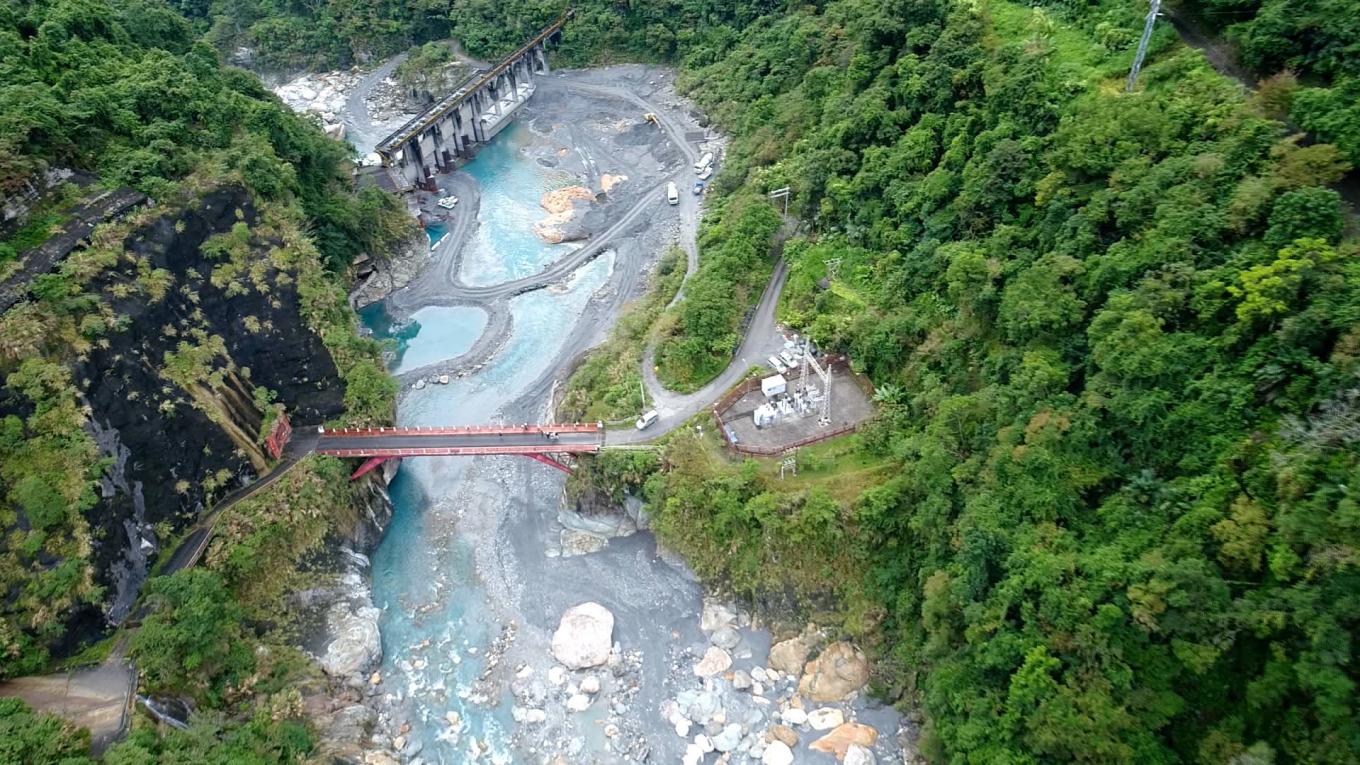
point(777, 753)
point(838, 741)
point(789, 656)
point(584, 636)
point(837, 673)
point(715, 662)
point(357, 645)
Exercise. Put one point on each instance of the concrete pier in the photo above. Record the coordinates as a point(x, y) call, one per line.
point(474, 113)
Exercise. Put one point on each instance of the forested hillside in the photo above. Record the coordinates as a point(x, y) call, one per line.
point(142, 367)
point(1115, 339)
point(1311, 52)
point(1107, 512)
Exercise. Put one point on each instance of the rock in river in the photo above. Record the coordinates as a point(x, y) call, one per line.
point(777, 753)
point(838, 741)
point(788, 656)
point(725, 638)
point(782, 733)
point(825, 718)
point(584, 636)
point(859, 755)
point(715, 662)
point(357, 645)
point(835, 674)
point(575, 543)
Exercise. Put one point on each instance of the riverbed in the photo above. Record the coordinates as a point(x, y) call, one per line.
point(476, 568)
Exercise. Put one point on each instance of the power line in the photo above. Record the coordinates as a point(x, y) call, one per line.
point(1142, 45)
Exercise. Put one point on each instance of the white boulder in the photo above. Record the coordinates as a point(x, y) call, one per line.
point(584, 636)
point(777, 753)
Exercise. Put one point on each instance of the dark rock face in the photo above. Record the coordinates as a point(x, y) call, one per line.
point(167, 458)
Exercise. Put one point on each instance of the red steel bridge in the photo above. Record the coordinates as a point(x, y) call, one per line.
point(533, 441)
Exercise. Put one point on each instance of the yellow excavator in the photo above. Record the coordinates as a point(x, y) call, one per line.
point(649, 117)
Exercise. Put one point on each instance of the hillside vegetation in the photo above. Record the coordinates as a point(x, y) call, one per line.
point(1116, 343)
point(140, 375)
point(1115, 340)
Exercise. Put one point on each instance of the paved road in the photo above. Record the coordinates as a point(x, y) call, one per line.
point(443, 285)
point(761, 340)
point(362, 132)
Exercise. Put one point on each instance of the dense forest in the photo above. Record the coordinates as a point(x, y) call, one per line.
point(127, 95)
point(1107, 511)
point(1105, 514)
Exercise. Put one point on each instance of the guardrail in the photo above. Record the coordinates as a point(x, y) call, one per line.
point(465, 430)
point(460, 451)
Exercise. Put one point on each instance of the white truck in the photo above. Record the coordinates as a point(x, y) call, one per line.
point(647, 419)
point(672, 193)
point(704, 163)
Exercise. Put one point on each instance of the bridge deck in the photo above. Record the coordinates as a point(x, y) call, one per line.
point(478, 439)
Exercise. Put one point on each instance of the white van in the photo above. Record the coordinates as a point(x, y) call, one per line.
point(672, 193)
point(704, 162)
point(647, 419)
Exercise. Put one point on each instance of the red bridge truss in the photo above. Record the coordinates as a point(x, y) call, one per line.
point(533, 441)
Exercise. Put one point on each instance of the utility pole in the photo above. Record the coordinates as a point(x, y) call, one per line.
point(782, 194)
point(1142, 45)
point(833, 267)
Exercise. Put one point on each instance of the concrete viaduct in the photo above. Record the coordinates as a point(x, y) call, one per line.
point(474, 113)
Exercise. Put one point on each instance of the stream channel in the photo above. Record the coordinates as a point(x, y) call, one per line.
point(469, 567)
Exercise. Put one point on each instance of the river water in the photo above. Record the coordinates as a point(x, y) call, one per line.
point(457, 520)
point(435, 626)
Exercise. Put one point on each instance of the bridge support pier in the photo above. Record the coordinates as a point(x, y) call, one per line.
point(431, 142)
point(368, 466)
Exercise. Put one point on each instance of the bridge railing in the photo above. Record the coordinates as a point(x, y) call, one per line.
point(456, 451)
point(467, 430)
point(437, 110)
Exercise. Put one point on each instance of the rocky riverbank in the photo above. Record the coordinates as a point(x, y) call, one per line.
point(345, 642)
point(732, 701)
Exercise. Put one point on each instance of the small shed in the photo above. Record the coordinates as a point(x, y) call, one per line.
point(773, 386)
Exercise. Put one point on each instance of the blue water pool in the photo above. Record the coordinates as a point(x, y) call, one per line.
point(436, 231)
point(433, 334)
point(504, 245)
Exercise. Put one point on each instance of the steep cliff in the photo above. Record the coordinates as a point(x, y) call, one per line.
point(173, 341)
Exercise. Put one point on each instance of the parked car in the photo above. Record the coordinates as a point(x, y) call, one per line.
point(698, 188)
point(777, 364)
point(790, 359)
